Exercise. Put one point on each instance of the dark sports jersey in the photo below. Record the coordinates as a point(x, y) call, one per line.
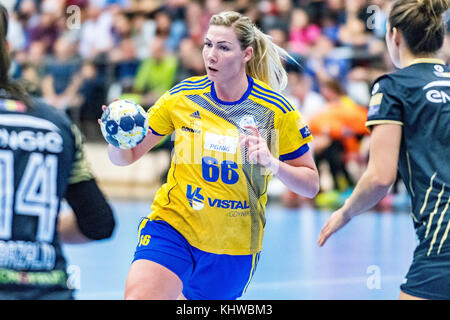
point(418, 98)
point(40, 154)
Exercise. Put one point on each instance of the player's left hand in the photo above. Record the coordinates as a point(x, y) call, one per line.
point(258, 151)
point(336, 221)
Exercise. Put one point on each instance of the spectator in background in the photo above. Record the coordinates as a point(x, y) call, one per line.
point(172, 20)
point(16, 34)
point(306, 100)
point(280, 38)
point(338, 129)
point(91, 93)
point(331, 26)
point(353, 34)
point(96, 37)
point(60, 85)
point(31, 79)
point(197, 18)
point(156, 74)
point(143, 33)
point(28, 16)
point(46, 30)
point(34, 55)
point(326, 62)
point(121, 28)
point(190, 60)
point(163, 24)
point(302, 34)
point(276, 15)
point(309, 103)
point(123, 60)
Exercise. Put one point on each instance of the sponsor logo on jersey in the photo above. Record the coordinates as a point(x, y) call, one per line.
point(217, 142)
point(30, 141)
point(305, 132)
point(195, 198)
point(228, 204)
point(439, 68)
point(191, 130)
point(442, 74)
point(195, 115)
point(247, 121)
point(27, 255)
point(374, 104)
point(375, 88)
point(197, 201)
point(438, 95)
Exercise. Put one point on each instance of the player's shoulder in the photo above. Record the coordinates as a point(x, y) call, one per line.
point(271, 98)
point(385, 82)
point(192, 85)
point(35, 112)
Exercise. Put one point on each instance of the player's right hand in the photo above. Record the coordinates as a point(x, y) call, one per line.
point(336, 221)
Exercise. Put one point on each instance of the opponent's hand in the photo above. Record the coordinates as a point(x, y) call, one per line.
point(257, 149)
point(336, 221)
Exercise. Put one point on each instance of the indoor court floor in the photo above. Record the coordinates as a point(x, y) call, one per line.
point(366, 260)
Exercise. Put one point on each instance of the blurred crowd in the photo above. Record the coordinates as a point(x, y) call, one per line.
point(81, 54)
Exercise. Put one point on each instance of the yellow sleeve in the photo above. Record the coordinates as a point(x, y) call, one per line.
point(294, 136)
point(159, 119)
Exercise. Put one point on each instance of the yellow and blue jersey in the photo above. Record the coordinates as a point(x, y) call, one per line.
point(213, 196)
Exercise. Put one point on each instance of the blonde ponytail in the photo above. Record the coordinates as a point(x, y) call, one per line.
point(266, 64)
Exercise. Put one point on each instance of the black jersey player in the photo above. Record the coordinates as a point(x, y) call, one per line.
point(409, 117)
point(41, 162)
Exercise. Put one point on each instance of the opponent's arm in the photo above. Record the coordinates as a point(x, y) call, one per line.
point(68, 229)
point(374, 184)
point(92, 217)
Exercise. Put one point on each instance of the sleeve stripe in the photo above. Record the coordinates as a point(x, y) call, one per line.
point(185, 85)
point(191, 87)
point(186, 82)
point(269, 101)
point(374, 122)
point(296, 154)
point(284, 102)
point(156, 133)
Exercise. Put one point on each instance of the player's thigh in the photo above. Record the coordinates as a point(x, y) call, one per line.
point(149, 280)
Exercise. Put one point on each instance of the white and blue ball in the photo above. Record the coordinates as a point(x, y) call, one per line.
point(124, 124)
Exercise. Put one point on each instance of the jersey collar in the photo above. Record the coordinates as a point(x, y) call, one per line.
point(427, 60)
point(243, 98)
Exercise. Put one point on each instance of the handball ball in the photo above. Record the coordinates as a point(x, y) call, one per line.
point(124, 124)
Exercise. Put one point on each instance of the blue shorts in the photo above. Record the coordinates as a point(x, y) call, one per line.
point(205, 276)
point(429, 277)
